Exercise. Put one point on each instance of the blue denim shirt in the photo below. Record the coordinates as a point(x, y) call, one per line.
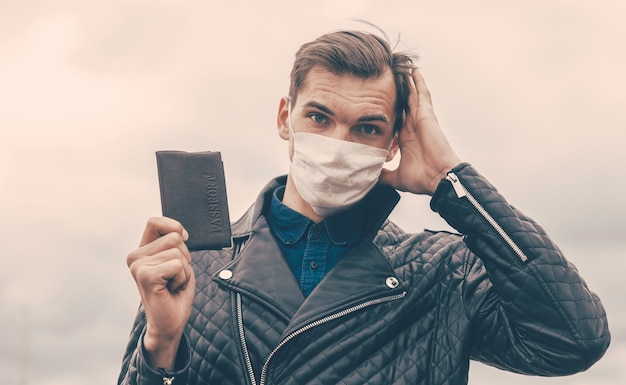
point(312, 249)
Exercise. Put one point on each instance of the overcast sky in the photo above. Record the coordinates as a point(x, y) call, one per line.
point(531, 92)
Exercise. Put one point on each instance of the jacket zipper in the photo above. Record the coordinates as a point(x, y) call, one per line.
point(242, 338)
point(320, 322)
point(282, 343)
point(461, 192)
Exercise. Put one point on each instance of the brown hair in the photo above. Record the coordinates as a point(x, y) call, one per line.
point(356, 53)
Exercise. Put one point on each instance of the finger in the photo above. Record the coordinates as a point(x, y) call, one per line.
point(412, 101)
point(156, 249)
point(423, 93)
point(159, 226)
point(164, 270)
point(166, 242)
point(180, 280)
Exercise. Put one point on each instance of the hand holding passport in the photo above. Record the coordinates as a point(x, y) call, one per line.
point(193, 192)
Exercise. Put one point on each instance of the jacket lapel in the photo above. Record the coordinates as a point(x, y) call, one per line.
point(261, 272)
point(364, 274)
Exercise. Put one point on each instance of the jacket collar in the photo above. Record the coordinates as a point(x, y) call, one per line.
point(364, 275)
point(289, 226)
point(259, 271)
point(380, 201)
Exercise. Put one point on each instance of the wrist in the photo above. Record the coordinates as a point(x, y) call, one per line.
point(438, 177)
point(161, 352)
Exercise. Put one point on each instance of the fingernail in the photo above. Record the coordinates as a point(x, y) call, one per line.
point(185, 235)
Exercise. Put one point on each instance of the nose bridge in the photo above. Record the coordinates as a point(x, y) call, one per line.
point(341, 131)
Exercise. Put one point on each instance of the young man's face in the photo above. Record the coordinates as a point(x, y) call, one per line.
point(344, 107)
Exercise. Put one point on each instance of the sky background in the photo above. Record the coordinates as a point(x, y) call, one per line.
point(532, 93)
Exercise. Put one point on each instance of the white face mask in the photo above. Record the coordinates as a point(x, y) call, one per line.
point(331, 174)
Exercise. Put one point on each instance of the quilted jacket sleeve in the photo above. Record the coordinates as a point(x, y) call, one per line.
point(532, 312)
point(135, 370)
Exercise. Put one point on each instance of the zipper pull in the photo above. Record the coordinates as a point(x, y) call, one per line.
point(456, 184)
point(167, 379)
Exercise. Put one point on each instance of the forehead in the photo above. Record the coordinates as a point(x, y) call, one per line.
point(349, 93)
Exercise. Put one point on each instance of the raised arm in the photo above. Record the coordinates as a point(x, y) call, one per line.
point(161, 267)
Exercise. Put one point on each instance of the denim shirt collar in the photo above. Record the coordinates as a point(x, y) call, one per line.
point(345, 227)
point(379, 203)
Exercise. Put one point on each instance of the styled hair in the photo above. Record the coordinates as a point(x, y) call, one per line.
point(361, 54)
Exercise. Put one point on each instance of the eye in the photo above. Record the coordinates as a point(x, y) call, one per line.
point(318, 118)
point(369, 129)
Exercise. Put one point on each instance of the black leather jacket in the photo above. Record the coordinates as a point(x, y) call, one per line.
point(399, 309)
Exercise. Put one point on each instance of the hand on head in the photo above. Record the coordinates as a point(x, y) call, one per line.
point(425, 154)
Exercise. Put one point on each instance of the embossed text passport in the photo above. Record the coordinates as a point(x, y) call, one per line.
point(193, 191)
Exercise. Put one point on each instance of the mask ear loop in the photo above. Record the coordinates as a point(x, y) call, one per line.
point(397, 134)
point(289, 119)
point(390, 143)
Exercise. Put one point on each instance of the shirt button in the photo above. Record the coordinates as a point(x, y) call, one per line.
point(392, 282)
point(226, 274)
point(313, 265)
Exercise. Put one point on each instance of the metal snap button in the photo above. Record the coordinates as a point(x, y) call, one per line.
point(225, 274)
point(313, 265)
point(392, 282)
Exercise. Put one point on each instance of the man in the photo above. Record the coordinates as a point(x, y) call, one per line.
point(320, 287)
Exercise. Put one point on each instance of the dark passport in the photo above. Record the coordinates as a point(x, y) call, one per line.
point(193, 191)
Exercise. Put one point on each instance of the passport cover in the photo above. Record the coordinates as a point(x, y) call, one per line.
point(193, 191)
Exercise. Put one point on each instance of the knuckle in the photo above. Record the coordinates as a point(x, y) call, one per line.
point(175, 254)
point(132, 257)
point(172, 240)
point(135, 271)
point(142, 276)
point(153, 222)
point(163, 225)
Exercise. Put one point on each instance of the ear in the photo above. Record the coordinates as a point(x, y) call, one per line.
point(282, 118)
point(393, 149)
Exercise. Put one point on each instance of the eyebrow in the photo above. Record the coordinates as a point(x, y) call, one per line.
point(365, 118)
point(320, 107)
